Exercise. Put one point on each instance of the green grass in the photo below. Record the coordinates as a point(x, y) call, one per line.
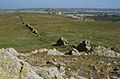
point(51, 27)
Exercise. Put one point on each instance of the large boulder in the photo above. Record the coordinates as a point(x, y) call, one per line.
point(61, 42)
point(11, 67)
point(84, 46)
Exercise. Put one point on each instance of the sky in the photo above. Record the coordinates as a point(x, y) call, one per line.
point(16, 4)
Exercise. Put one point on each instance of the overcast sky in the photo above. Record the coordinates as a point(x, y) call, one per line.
point(13, 4)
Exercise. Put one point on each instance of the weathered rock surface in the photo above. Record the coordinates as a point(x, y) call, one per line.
point(13, 68)
point(102, 51)
point(51, 72)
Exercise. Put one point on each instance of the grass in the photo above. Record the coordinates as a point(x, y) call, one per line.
point(51, 27)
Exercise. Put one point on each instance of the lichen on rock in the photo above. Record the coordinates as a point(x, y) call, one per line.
point(11, 67)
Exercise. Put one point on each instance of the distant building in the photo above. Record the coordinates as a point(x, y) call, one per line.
point(53, 12)
point(59, 13)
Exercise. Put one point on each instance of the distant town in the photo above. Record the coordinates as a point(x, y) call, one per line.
point(88, 14)
point(65, 10)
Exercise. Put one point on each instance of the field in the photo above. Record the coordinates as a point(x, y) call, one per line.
point(51, 27)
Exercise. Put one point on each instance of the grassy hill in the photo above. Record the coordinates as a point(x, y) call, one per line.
point(51, 27)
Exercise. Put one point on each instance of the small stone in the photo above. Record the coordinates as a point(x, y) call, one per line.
point(73, 52)
point(68, 69)
point(50, 62)
point(34, 52)
point(90, 78)
point(75, 59)
point(107, 77)
point(54, 52)
point(95, 68)
point(108, 64)
point(116, 68)
point(54, 60)
point(114, 62)
point(114, 77)
point(100, 62)
point(118, 72)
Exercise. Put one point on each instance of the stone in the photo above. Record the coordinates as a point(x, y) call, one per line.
point(54, 52)
point(108, 64)
point(34, 52)
point(84, 46)
point(61, 42)
point(118, 72)
point(118, 55)
point(95, 68)
point(81, 77)
point(107, 77)
point(50, 72)
point(48, 51)
point(114, 77)
point(114, 62)
point(50, 62)
point(73, 52)
point(99, 51)
point(11, 67)
point(11, 51)
point(35, 31)
point(109, 69)
point(116, 68)
point(100, 62)
point(102, 51)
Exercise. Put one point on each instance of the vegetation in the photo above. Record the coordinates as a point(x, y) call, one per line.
point(51, 27)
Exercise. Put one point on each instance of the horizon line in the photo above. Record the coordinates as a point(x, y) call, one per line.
point(65, 8)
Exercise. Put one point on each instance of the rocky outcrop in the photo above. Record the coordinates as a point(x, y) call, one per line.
point(78, 66)
point(97, 51)
point(11, 67)
point(51, 72)
point(102, 51)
